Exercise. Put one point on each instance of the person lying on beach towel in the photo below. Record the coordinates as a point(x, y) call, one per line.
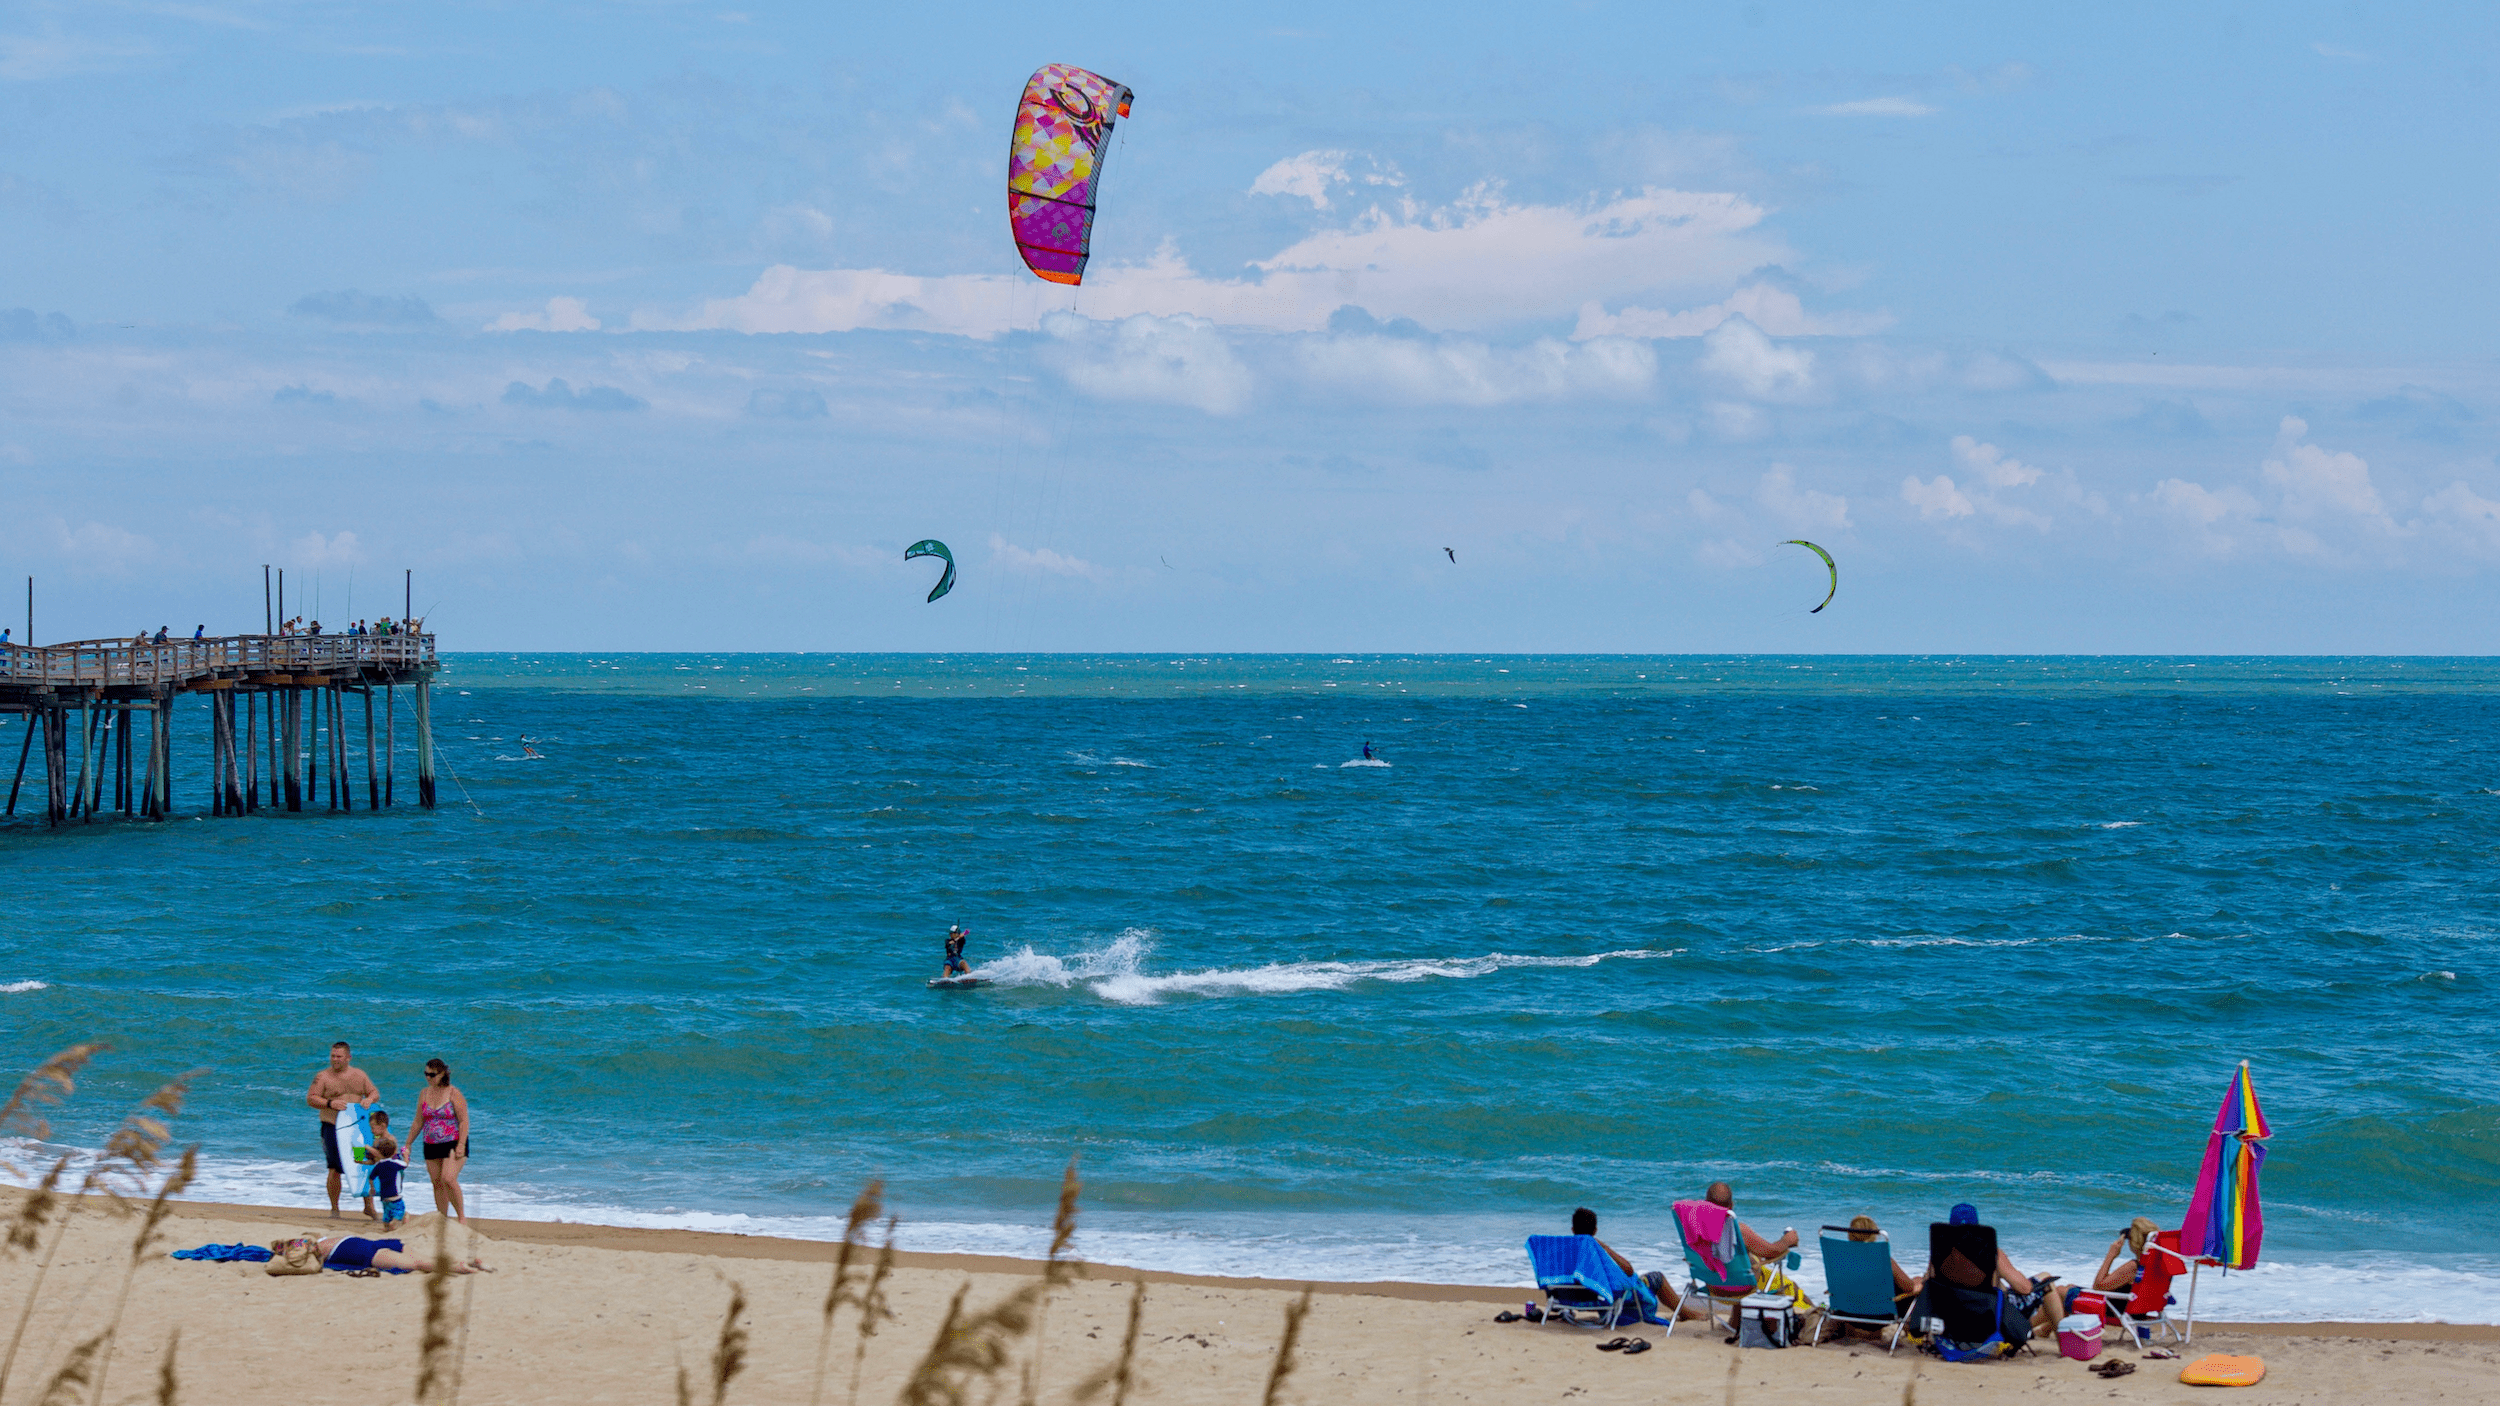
point(356, 1252)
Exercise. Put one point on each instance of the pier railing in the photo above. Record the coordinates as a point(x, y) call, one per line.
point(149, 664)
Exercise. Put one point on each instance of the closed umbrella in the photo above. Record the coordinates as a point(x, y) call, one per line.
point(2225, 1225)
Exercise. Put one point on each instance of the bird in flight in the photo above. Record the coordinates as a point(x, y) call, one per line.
point(1453, 551)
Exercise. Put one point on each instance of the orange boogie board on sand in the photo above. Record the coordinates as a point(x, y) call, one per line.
point(2222, 1369)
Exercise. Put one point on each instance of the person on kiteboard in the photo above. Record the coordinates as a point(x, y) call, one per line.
point(956, 935)
point(1367, 751)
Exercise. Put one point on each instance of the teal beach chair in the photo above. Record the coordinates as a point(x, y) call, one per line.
point(1717, 1266)
point(1857, 1285)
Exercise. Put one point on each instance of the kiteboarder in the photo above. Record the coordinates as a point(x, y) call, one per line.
point(956, 935)
point(1367, 751)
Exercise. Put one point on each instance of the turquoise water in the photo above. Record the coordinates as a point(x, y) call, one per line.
point(1857, 935)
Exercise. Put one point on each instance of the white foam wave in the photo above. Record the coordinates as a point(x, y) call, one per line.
point(1363, 761)
point(2119, 824)
point(1117, 971)
point(16, 986)
point(2426, 976)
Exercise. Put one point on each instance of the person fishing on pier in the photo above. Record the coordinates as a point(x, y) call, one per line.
point(956, 936)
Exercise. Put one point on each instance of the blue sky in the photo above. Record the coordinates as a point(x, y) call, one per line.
point(2151, 328)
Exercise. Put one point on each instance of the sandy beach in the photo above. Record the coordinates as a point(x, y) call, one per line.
point(580, 1313)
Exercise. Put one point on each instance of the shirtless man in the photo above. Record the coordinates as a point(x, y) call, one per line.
point(334, 1088)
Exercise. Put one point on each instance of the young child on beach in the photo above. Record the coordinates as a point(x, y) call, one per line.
point(389, 1162)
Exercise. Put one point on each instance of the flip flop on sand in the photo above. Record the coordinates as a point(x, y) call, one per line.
point(2111, 1368)
point(1617, 1345)
point(1635, 1346)
point(1506, 1316)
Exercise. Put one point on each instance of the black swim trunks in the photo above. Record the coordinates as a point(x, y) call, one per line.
point(330, 1147)
point(437, 1151)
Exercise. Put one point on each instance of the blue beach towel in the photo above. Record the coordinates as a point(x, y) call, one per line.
point(223, 1254)
point(1580, 1277)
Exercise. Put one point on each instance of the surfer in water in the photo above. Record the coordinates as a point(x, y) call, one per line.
point(956, 936)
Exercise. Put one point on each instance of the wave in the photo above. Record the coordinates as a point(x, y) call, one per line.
point(2119, 824)
point(14, 987)
point(1117, 971)
point(1363, 761)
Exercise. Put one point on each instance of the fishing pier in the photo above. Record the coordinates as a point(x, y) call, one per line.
point(284, 697)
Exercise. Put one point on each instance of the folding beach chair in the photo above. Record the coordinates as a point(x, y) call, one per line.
point(1965, 1296)
point(2147, 1310)
point(1857, 1285)
point(1717, 1266)
point(1579, 1279)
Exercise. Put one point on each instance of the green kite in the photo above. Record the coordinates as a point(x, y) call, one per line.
point(1827, 561)
point(932, 547)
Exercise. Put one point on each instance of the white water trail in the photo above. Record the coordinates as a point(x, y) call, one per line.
point(1117, 972)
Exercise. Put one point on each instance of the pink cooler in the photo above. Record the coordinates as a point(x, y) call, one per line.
point(2079, 1337)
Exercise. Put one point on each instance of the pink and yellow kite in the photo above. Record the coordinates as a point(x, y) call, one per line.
point(1054, 166)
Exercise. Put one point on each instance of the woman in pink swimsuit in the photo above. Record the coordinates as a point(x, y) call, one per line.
point(443, 1126)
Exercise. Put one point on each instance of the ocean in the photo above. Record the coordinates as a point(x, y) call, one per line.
point(1856, 935)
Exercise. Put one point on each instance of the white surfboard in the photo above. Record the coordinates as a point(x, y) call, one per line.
point(356, 1149)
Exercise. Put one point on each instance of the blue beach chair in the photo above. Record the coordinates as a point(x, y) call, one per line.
point(1578, 1278)
point(1857, 1284)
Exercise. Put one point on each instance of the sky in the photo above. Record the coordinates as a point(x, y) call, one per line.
point(2141, 328)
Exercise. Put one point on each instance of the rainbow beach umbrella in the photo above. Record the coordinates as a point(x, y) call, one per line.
point(2225, 1225)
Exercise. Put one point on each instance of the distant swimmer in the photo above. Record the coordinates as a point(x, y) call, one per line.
point(1453, 551)
point(956, 936)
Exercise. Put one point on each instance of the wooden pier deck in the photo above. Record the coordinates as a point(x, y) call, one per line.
point(284, 696)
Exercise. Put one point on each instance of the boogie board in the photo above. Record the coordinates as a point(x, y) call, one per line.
point(356, 1148)
point(2222, 1369)
point(957, 983)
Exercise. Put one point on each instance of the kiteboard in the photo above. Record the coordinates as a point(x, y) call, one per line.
point(957, 983)
point(356, 1148)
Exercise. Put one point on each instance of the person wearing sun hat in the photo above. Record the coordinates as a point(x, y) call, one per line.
point(956, 936)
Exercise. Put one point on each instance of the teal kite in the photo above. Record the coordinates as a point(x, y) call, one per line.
point(1827, 561)
point(932, 547)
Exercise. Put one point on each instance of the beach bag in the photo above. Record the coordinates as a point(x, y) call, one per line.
point(301, 1255)
point(2079, 1336)
point(1766, 1320)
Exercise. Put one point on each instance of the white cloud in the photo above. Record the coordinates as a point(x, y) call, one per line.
point(1313, 174)
point(561, 315)
point(1738, 353)
point(102, 549)
point(1938, 501)
point(1043, 561)
point(1773, 309)
point(1988, 475)
point(2319, 483)
point(1727, 554)
point(1800, 508)
point(1172, 360)
point(1991, 465)
point(2205, 511)
point(2478, 515)
point(312, 550)
point(1876, 107)
point(1480, 262)
point(1461, 371)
